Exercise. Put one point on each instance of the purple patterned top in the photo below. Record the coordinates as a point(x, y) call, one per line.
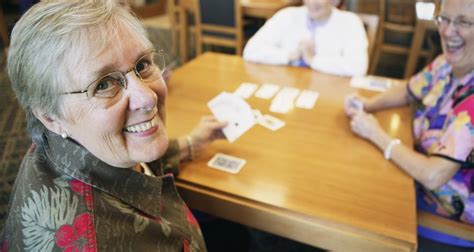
point(444, 126)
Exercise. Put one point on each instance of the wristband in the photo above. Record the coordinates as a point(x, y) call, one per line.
point(189, 141)
point(388, 150)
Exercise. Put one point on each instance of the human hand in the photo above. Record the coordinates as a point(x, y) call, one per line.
point(295, 55)
point(353, 104)
point(365, 125)
point(307, 49)
point(206, 131)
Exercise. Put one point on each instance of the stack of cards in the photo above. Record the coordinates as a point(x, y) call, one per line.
point(267, 91)
point(226, 163)
point(371, 83)
point(246, 89)
point(307, 99)
point(283, 101)
point(234, 110)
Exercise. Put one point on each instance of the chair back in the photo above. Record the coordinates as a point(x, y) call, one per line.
point(371, 25)
point(219, 22)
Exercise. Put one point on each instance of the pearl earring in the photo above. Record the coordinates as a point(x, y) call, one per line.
point(64, 135)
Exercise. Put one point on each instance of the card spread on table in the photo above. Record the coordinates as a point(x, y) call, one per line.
point(246, 89)
point(283, 101)
point(226, 163)
point(373, 83)
point(307, 99)
point(234, 110)
point(271, 122)
point(267, 91)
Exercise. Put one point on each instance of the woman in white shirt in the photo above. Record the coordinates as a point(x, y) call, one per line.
point(316, 35)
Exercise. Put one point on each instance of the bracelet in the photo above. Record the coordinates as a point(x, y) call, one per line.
point(388, 150)
point(189, 141)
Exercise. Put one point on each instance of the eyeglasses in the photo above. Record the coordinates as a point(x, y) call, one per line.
point(149, 68)
point(459, 22)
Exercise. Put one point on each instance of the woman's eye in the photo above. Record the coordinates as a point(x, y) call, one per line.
point(143, 65)
point(103, 85)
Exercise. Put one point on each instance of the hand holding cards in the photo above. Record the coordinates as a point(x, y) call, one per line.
point(352, 102)
point(236, 111)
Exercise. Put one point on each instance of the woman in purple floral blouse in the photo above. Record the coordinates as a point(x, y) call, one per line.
point(91, 84)
point(443, 123)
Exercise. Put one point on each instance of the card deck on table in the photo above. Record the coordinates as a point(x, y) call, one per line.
point(267, 91)
point(246, 89)
point(307, 99)
point(270, 122)
point(226, 163)
point(236, 111)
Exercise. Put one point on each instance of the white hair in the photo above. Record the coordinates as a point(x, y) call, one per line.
point(52, 40)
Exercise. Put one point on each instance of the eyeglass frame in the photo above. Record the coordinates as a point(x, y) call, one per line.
point(123, 83)
point(456, 22)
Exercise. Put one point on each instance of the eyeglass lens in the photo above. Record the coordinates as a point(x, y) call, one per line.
point(148, 68)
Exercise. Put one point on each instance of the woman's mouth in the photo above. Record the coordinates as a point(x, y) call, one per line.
point(453, 46)
point(143, 126)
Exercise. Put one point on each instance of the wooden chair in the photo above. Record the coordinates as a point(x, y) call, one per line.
point(446, 226)
point(371, 24)
point(219, 22)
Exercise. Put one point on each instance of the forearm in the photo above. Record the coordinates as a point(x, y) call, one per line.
point(394, 97)
point(432, 172)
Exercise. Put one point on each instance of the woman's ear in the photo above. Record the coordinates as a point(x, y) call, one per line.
point(50, 122)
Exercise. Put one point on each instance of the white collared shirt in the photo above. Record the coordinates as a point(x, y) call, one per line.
point(341, 43)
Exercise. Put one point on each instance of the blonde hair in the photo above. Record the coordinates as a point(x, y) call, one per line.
point(51, 41)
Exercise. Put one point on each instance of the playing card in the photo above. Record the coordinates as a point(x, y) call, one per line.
point(236, 111)
point(370, 82)
point(307, 99)
point(246, 89)
point(267, 91)
point(355, 103)
point(270, 122)
point(284, 100)
point(226, 163)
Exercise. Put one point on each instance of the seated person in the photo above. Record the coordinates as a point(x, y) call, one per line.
point(316, 35)
point(443, 124)
point(95, 177)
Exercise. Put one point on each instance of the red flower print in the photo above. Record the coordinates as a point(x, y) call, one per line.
point(4, 247)
point(77, 186)
point(82, 189)
point(190, 216)
point(75, 237)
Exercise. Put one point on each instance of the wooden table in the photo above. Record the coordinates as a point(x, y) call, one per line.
point(313, 180)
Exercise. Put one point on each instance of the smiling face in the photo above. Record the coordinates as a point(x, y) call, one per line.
point(458, 42)
point(318, 10)
point(127, 128)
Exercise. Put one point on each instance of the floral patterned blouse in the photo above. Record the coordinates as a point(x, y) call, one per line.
point(444, 126)
point(65, 199)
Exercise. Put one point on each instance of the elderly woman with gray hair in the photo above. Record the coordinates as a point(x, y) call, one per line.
point(91, 84)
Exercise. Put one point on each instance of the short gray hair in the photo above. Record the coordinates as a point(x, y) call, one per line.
point(51, 40)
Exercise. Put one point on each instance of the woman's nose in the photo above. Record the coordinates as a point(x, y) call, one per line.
point(450, 29)
point(141, 95)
